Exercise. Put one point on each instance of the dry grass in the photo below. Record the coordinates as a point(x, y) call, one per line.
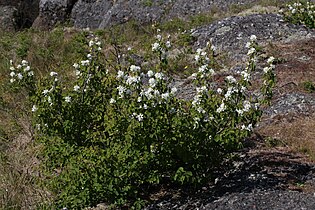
point(299, 133)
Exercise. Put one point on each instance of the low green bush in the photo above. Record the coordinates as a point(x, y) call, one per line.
point(120, 127)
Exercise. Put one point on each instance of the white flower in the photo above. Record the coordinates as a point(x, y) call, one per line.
point(148, 93)
point(120, 74)
point(249, 127)
point(85, 63)
point(213, 48)
point(20, 76)
point(129, 48)
point(251, 51)
point(270, 60)
point(229, 92)
point(197, 57)
point(201, 110)
point(173, 90)
point(76, 66)
point(98, 43)
point(248, 45)
point(194, 75)
point(112, 101)
point(152, 82)
point(91, 43)
point(201, 89)
point(230, 79)
point(168, 44)
point(24, 63)
point(27, 68)
point(202, 68)
point(77, 73)
point(253, 38)
point(155, 46)
point(134, 68)
point(243, 88)
point(240, 111)
point(76, 88)
point(159, 75)
point(165, 95)
point(49, 100)
point(12, 68)
point(121, 90)
point(30, 73)
point(89, 56)
point(266, 69)
point(150, 73)
point(145, 106)
point(12, 74)
point(219, 90)
point(132, 80)
point(19, 66)
point(68, 99)
point(12, 80)
point(159, 37)
point(140, 117)
point(245, 75)
point(221, 108)
point(247, 106)
point(45, 91)
point(34, 108)
point(52, 74)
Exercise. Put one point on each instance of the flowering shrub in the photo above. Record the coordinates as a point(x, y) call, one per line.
point(121, 126)
point(300, 12)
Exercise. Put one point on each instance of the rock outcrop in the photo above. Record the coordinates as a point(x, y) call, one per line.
point(104, 13)
point(7, 18)
point(98, 14)
point(52, 12)
point(231, 34)
point(18, 14)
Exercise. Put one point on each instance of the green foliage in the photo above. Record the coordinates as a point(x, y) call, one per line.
point(300, 12)
point(309, 86)
point(119, 127)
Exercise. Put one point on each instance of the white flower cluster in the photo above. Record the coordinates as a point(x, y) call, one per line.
point(94, 48)
point(238, 87)
point(147, 90)
point(161, 46)
point(203, 71)
point(271, 66)
point(95, 44)
point(303, 12)
point(20, 72)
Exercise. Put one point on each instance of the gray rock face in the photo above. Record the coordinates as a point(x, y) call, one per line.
point(104, 13)
point(52, 12)
point(231, 34)
point(89, 13)
point(7, 18)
